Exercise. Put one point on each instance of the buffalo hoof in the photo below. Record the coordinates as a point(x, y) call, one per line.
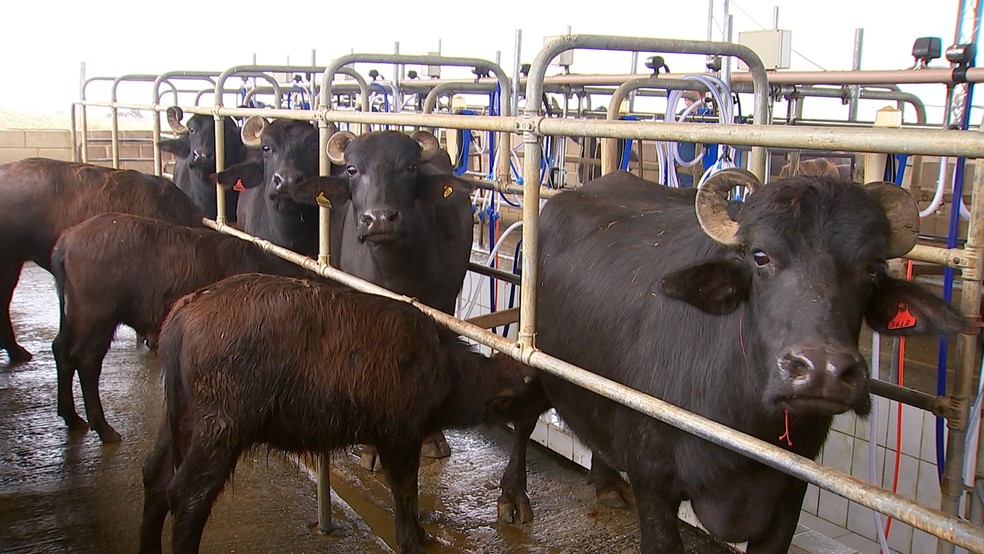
point(436, 448)
point(515, 508)
point(621, 496)
point(18, 355)
point(108, 435)
point(369, 460)
point(75, 423)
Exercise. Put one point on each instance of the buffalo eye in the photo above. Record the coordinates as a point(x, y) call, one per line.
point(412, 168)
point(192, 131)
point(876, 268)
point(351, 170)
point(761, 258)
point(266, 148)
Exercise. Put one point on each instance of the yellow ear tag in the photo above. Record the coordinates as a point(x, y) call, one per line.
point(323, 200)
point(448, 191)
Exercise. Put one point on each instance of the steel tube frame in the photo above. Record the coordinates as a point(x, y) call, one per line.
point(114, 120)
point(156, 100)
point(609, 149)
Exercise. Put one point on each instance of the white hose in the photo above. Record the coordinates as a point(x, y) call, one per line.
point(872, 443)
point(668, 154)
point(473, 300)
point(938, 195)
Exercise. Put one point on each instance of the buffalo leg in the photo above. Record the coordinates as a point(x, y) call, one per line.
point(65, 365)
point(402, 462)
point(435, 446)
point(514, 503)
point(157, 473)
point(9, 275)
point(657, 512)
point(782, 526)
point(90, 368)
point(194, 488)
point(610, 489)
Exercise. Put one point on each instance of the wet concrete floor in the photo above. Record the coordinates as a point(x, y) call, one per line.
point(66, 492)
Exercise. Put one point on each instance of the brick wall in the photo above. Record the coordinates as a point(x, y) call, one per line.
point(136, 147)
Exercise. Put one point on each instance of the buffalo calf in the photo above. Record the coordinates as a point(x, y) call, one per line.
point(305, 367)
point(40, 198)
point(116, 269)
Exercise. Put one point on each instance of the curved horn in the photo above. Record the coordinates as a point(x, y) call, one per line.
point(902, 213)
point(253, 130)
point(174, 115)
point(712, 203)
point(336, 146)
point(429, 146)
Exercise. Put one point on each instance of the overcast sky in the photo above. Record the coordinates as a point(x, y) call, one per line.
point(44, 43)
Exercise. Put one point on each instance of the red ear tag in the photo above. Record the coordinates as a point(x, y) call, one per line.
point(238, 187)
point(902, 320)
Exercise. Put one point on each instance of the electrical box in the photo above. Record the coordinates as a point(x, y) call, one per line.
point(773, 46)
point(566, 58)
point(433, 71)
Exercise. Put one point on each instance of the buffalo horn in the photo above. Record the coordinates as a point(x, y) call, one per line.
point(253, 130)
point(902, 213)
point(174, 115)
point(429, 146)
point(336, 146)
point(712, 203)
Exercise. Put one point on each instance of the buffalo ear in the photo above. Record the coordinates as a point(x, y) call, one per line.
point(899, 307)
point(335, 190)
point(716, 287)
point(249, 174)
point(179, 147)
point(438, 189)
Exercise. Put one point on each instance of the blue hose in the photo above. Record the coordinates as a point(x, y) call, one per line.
point(948, 276)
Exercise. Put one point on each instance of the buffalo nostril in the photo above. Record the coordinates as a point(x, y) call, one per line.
point(798, 368)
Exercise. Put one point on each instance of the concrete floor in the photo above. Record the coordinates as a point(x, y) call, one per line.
point(66, 492)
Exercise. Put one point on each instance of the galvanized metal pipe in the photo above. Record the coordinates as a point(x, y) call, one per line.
point(609, 147)
point(338, 63)
point(937, 405)
point(926, 519)
point(534, 87)
point(963, 390)
point(114, 119)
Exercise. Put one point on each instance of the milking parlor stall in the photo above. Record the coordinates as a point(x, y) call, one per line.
point(800, 374)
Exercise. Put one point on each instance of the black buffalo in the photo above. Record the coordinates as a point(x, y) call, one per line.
point(753, 323)
point(40, 198)
point(195, 165)
point(406, 221)
point(288, 156)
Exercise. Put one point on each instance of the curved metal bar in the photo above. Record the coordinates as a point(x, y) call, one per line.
point(114, 120)
point(609, 150)
point(531, 141)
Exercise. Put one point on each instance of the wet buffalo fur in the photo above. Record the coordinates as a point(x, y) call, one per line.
point(632, 289)
point(119, 269)
point(305, 367)
point(40, 198)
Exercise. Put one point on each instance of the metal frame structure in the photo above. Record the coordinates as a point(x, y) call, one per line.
point(534, 126)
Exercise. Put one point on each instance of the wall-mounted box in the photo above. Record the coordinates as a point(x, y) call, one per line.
point(565, 58)
point(773, 46)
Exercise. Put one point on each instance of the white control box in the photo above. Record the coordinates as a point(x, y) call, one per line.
point(565, 58)
point(774, 46)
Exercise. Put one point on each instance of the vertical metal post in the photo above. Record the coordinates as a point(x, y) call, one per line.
point(75, 138)
point(854, 91)
point(220, 210)
point(114, 134)
point(156, 117)
point(84, 139)
point(324, 494)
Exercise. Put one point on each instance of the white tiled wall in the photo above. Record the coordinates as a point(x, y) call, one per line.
point(847, 449)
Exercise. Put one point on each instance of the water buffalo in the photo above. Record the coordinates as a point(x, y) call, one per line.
point(195, 152)
point(118, 269)
point(305, 367)
point(40, 198)
point(288, 156)
point(752, 322)
point(815, 167)
point(406, 221)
